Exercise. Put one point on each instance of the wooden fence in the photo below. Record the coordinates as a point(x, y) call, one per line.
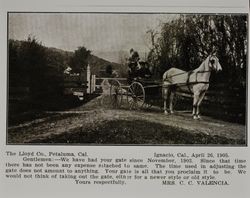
point(220, 102)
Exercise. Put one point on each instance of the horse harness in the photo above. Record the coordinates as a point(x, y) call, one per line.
point(188, 82)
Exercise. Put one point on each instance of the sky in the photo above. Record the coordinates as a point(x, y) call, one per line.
point(106, 35)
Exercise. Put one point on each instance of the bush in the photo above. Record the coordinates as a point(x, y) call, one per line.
point(35, 66)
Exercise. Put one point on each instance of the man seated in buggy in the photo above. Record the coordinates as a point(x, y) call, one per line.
point(143, 71)
point(137, 69)
point(132, 64)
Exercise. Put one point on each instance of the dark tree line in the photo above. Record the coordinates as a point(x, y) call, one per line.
point(40, 68)
point(186, 41)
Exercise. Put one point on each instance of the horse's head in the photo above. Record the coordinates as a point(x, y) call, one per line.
point(213, 63)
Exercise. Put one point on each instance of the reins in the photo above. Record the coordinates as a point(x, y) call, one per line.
point(188, 83)
point(190, 72)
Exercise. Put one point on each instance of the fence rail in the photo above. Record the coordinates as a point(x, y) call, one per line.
point(229, 105)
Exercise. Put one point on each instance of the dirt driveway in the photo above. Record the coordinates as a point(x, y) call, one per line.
point(96, 124)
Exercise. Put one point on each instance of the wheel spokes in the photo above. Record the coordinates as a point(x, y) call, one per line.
point(136, 95)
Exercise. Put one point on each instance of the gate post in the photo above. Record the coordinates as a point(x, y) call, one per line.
point(93, 79)
point(88, 80)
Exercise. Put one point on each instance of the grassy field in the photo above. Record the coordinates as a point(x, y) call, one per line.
point(135, 132)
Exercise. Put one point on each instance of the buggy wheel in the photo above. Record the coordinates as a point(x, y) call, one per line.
point(115, 93)
point(136, 96)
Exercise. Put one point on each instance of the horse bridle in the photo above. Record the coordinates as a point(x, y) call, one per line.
point(212, 62)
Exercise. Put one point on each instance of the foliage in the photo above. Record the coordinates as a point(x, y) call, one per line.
point(35, 66)
point(186, 41)
point(109, 70)
point(79, 60)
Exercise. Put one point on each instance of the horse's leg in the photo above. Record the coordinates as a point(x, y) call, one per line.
point(165, 107)
point(195, 103)
point(194, 110)
point(171, 98)
point(165, 92)
point(198, 105)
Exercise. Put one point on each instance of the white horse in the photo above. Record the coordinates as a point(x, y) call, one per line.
point(196, 81)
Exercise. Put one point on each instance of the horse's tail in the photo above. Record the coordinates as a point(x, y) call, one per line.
point(166, 78)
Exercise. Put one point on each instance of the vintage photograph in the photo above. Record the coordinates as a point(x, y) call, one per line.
point(127, 79)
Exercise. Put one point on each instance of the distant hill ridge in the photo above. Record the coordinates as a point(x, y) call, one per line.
point(96, 63)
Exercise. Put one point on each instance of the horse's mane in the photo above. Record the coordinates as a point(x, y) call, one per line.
point(201, 65)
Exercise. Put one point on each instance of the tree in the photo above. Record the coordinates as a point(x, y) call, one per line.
point(154, 52)
point(33, 65)
point(79, 60)
point(109, 70)
point(33, 61)
point(186, 41)
point(13, 56)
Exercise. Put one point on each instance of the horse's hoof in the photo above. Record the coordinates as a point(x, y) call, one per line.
point(171, 112)
point(165, 112)
point(195, 117)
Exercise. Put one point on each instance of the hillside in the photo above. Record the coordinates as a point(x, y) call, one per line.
point(95, 62)
point(98, 64)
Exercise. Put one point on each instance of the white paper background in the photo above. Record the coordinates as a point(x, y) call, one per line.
point(12, 189)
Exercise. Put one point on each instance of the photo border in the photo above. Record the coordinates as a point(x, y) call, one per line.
point(135, 13)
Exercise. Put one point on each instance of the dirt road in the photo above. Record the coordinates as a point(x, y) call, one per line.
point(96, 124)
